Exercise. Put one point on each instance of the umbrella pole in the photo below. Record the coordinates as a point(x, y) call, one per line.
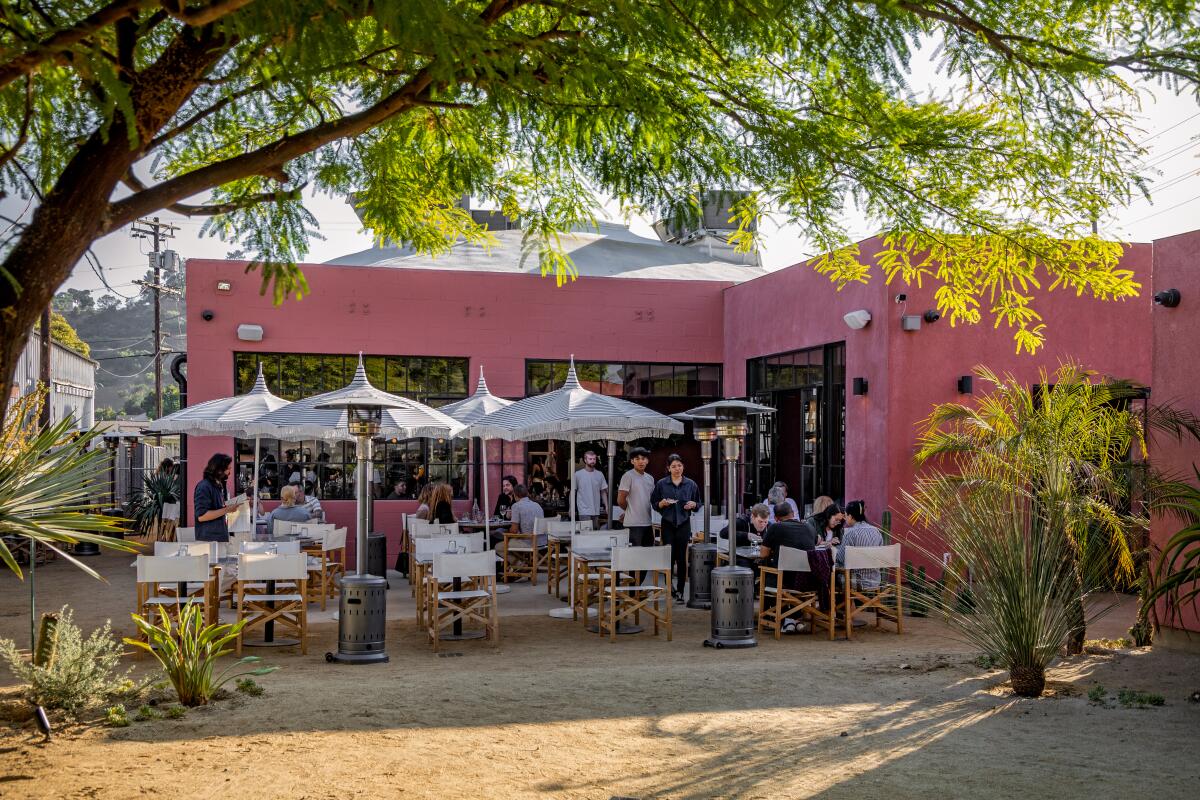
point(569, 611)
point(612, 489)
point(254, 493)
point(571, 468)
point(487, 514)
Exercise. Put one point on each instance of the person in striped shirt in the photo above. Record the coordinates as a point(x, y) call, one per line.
point(859, 533)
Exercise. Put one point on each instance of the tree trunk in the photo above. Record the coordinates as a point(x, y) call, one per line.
point(1077, 616)
point(1028, 681)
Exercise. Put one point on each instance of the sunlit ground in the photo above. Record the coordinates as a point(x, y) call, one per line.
point(558, 712)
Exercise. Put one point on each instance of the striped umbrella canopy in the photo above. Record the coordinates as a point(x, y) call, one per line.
point(477, 406)
point(469, 411)
point(576, 415)
point(225, 416)
point(308, 419)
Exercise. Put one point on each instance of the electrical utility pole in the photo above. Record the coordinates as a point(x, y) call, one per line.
point(157, 232)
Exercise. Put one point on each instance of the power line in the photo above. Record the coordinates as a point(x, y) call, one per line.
point(1164, 210)
point(1168, 130)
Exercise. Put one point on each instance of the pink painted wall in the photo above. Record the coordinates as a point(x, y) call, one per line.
point(495, 320)
point(909, 373)
point(795, 308)
point(1176, 378)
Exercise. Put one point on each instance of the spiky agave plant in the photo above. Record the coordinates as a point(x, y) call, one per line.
point(47, 477)
point(146, 509)
point(1020, 558)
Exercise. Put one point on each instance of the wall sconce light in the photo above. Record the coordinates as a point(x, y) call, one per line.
point(931, 316)
point(857, 320)
point(224, 286)
point(250, 333)
point(1167, 298)
point(860, 386)
point(966, 384)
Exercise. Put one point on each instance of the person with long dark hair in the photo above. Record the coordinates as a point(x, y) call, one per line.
point(676, 497)
point(211, 501)
point(508, 496)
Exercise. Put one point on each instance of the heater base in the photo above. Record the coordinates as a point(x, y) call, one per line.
point(732, 644)
point(357, 658)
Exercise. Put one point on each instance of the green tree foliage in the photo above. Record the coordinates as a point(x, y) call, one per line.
point(114, 109)
point(62, 332)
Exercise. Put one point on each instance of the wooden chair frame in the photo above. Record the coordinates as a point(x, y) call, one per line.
point(523, 569)
point(787, 603)
point(558, 564)
point(331, 565)
point(879, 600)
point(164, 594)
point(290, 610)
point(623, 596)
point(475, 601)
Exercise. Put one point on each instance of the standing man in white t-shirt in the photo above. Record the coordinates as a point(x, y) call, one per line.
point(633, 495)
point(591, 489)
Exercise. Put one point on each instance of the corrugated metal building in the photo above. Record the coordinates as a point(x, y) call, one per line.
point(73, 381)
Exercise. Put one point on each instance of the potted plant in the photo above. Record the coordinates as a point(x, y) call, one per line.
point(160, 494)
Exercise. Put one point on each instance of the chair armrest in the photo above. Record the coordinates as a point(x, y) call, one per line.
point(770, 571)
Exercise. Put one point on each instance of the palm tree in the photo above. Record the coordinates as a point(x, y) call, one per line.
point(1175, 576)
point(47, 476)
point(1074, 443)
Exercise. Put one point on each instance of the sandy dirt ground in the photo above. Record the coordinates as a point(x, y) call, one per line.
point(556, 712)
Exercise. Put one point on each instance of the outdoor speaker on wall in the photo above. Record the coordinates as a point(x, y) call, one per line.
point(860, 386)
point(250, 333)
point(910, 322)
point(966, 384)
point(857, 320)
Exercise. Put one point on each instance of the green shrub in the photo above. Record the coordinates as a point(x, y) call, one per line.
point(188, 651)
point(175, 712)
point(81, 672)
point(1130, 698)
point(1097, 695)
point(250, 686)
point(145, 713)
point(116, 717)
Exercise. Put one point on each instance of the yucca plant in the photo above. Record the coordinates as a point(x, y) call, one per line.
point(1075, 443)
point(188, 651)
point(1020, 556)
point(46, 477)
point(146, 509)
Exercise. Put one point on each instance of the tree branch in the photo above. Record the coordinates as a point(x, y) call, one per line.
point(23, 135)
point(23, 63)
point(197, 17)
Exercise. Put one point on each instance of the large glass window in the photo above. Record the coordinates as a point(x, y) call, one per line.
point(327, 470)
point(631, 381)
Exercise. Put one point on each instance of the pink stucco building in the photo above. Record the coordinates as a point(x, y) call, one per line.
point(663, 324)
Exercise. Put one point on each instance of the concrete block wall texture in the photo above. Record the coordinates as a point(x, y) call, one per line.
point(1176, 380)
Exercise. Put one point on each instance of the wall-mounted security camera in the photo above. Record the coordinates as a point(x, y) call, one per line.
point(1167, 298)
point(931, 316)
point(900, 298)
point(207, 315)
point(857, 320)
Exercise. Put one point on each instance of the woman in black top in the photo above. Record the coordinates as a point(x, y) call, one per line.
point(676, 497)
point(211, 502)
point(508, 496)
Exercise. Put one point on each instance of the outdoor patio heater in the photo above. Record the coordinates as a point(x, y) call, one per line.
point(362, 610)
point(702, 556)
point(732, 587)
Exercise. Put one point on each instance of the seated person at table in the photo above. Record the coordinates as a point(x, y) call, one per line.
point(757, 520)
point(859, 533)
point(423, 502)
point(827, 524)
point(785, 532)
point(399, 490)
point(439, 501)
point(524, 512)
point(774, 497)
point(309, 503)
point(508, 496)
point(287, 511)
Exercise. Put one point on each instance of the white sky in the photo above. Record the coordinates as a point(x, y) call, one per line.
point(1169, 124)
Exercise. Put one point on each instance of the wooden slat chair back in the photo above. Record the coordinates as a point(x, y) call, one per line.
point(587, 583)
point(330, 563)
point(159, 579)
point(476, 601)
point(623, 595)
point(776, 602)
point(886, 600)
point(523, 552)
point(285, 607)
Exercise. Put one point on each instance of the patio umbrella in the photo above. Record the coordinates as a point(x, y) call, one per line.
point(225, 416)
point(577, 415)
point(312, 418)
point(468, 412)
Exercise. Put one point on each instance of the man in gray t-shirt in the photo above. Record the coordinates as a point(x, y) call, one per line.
point(633, 495)
point(590, 489)
point(524, 512)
